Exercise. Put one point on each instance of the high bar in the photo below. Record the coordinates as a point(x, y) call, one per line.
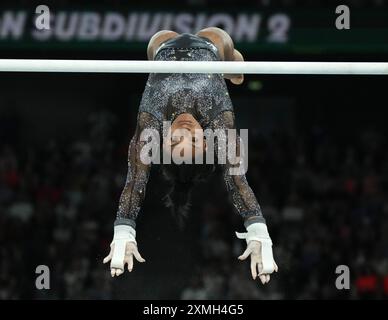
point(221, 67)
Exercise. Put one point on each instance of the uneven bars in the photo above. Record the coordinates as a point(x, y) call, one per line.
point(223, 67)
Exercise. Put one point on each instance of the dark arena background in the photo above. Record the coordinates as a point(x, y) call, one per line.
point(318, 155)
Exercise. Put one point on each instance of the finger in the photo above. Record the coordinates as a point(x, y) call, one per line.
point(118, 256)
point(260, 268)
point(119, 272)
point(129, 260)
point(268, 277)
point(267, 258)
point(113, 272)
point(245, 255)
point(107, 258)
point(138, 256)
point(275, 266)
point(263, 278)
point(253, 269)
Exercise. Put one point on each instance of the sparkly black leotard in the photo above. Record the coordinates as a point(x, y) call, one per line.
point(206, 97)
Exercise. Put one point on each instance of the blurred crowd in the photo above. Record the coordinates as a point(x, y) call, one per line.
point(326, 205)
point(325, 201)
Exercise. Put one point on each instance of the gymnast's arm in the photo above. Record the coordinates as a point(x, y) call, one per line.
point(242, 196)
point(124, 245)
point(133, 193)
point(259, 243)
point(134, 190)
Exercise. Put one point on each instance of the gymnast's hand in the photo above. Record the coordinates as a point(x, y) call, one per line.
point(122, 250)
point(254, 250)
point(259, 247)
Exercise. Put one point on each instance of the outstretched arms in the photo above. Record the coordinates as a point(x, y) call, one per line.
point(242, 196)
point(133, 193)
point(124, 245)
point(259, 243)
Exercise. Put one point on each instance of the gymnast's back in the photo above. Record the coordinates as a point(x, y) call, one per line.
point(166, 95)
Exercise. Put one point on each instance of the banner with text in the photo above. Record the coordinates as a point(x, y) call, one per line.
point(255, 30)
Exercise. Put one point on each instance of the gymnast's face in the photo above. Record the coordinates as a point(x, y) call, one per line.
point(186, 137)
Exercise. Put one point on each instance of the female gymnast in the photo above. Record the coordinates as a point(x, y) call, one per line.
point(192, 103)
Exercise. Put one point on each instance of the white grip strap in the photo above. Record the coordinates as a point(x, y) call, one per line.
point(259, 232)
point(122, 235)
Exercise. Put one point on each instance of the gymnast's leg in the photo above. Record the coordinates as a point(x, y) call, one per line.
point(157, 39)
point(224, 43)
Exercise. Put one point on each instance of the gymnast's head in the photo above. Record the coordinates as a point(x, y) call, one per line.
point(185, 140)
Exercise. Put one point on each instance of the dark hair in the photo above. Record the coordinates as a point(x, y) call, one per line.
point(182, 179)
